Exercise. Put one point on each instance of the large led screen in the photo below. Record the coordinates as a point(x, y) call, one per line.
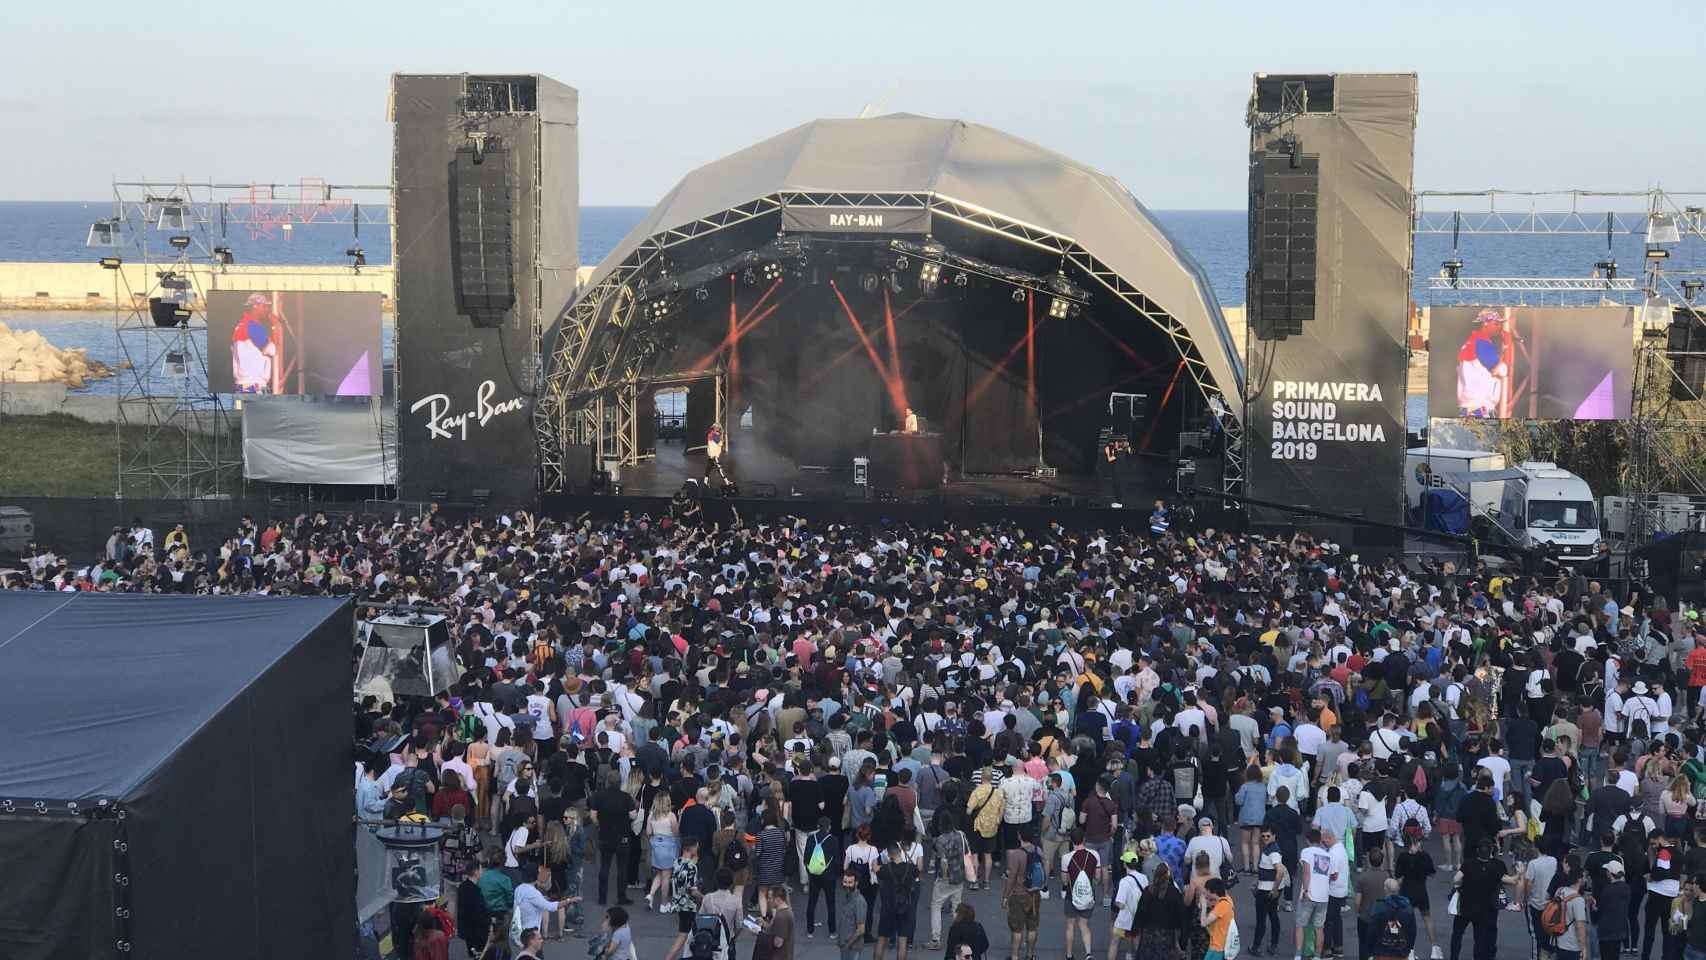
point(323, 343)
point(1531, 363)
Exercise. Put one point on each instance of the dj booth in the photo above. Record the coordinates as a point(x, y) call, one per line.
point(906, 461)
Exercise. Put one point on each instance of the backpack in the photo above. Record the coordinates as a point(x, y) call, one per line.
point(1389, 938)
point(1065, 818)
point(1555, 918)
point(817, 863)
point(905, 882)
point(1034, 875)
point(953, 865)
point(1083, 891)
point(735, 857)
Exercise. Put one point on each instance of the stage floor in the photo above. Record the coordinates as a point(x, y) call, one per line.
point(756, 471)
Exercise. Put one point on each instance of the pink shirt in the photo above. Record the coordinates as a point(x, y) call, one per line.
point(804, 650)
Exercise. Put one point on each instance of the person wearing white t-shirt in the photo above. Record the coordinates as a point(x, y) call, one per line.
point(1388, 740)
point(1338, 890)
point(1373, 811)
point(1314, 889)
point(1310, 738)
point(1496, 764)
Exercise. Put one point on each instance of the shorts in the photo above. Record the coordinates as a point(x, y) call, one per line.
point(1422, 904)
point(1104, 852)
point(1214, 955)
point(1024, 912)
point(1447, 827)
point(1073, 913)
point(980, 843)
point(1010, 834)
point(684, 921)
point(896, 924)
point(1311, 913)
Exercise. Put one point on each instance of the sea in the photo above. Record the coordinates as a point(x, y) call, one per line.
point(1216, 239)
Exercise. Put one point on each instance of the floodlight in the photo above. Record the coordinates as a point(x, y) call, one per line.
point(930, 272)
point(1691, 289)
point(111, 263)
point(1058, 307)
point(772, 271)
point(104, 233)
point(1657, 253)
point(179, 241)
point(173, 216)
point(1662, 228)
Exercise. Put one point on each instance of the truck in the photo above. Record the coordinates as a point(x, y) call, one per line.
point(1544, 505)
point(1439, 468)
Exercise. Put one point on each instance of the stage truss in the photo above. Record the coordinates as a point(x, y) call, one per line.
point(591, 348)
point(1672, 274)
point(175, 438)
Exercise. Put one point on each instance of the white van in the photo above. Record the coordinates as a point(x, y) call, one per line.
point(1549, 505)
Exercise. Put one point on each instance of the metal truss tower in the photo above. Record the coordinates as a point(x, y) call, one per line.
point(1671, 277)
point(167, 243)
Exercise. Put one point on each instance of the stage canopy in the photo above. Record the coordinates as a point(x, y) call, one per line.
point(174, 744)
point(923, 177)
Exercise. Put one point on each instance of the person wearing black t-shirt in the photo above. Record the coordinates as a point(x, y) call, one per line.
point(611, 808)
point(1479, 884)
point(805, 806)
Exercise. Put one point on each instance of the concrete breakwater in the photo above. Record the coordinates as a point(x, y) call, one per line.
point(89, 286)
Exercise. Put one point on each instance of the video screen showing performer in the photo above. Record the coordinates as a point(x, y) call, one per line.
point(1484, 363)
point(318, 343)
point(1531, 363)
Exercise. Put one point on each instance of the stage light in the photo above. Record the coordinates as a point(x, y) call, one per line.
point(1018, 294)
point(1058, 307)
point(749, 278)
point(1662, 228)
point(930, 272)
point(701, 294)
point(1657, 253)
point(1451, 268)
point(171, 281)
point(173, 216)
point(1606, 269)
point(111, 263)
point(357, 257)
point(178, 242)
point(224, 255)
point(1691, 289)
point(868, 282)
point(772, 271)
point(103, 233)
point(902, 263)
point(960, 279)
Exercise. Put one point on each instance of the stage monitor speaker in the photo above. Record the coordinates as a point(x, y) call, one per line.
point(482, 224)
point(577, 467)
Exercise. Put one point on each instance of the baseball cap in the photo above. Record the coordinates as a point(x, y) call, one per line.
point(1205, 822)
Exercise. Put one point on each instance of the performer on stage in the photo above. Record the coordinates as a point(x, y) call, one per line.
point(1484, 368)
point(909, 423)
point(255, 347)
point(714, 454)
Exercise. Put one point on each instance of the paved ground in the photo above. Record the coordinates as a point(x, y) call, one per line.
point(655, 932)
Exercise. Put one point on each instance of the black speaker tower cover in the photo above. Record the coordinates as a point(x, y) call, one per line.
point(482, 248)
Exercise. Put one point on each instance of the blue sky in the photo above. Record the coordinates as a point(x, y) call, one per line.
point(1515, 95)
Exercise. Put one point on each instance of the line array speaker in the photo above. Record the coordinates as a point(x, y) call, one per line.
point(482, 249)
point(1285, 189)
point(1685, 348)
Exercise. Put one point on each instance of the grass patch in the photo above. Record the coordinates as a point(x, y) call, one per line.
point(56, 455)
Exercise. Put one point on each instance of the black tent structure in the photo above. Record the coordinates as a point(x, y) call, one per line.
point(178, 782)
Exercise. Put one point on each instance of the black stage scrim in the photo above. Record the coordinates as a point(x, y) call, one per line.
point(464, 373)
point(820, 374)
point(1326, 405)
point(1531, 363)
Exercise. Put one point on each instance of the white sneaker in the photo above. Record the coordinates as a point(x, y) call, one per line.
point(1438, 954)
point(1045, 893)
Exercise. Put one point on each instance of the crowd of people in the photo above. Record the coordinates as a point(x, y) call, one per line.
point(737, 721)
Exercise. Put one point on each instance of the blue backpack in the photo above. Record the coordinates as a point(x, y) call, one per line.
point(1034, 876)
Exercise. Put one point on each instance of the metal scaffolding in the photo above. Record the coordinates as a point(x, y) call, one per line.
point(1671, 228)
point(175, 437)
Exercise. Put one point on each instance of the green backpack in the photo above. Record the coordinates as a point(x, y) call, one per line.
point(817, 863)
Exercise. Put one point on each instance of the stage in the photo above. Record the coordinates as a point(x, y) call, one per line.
point(761, 473)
